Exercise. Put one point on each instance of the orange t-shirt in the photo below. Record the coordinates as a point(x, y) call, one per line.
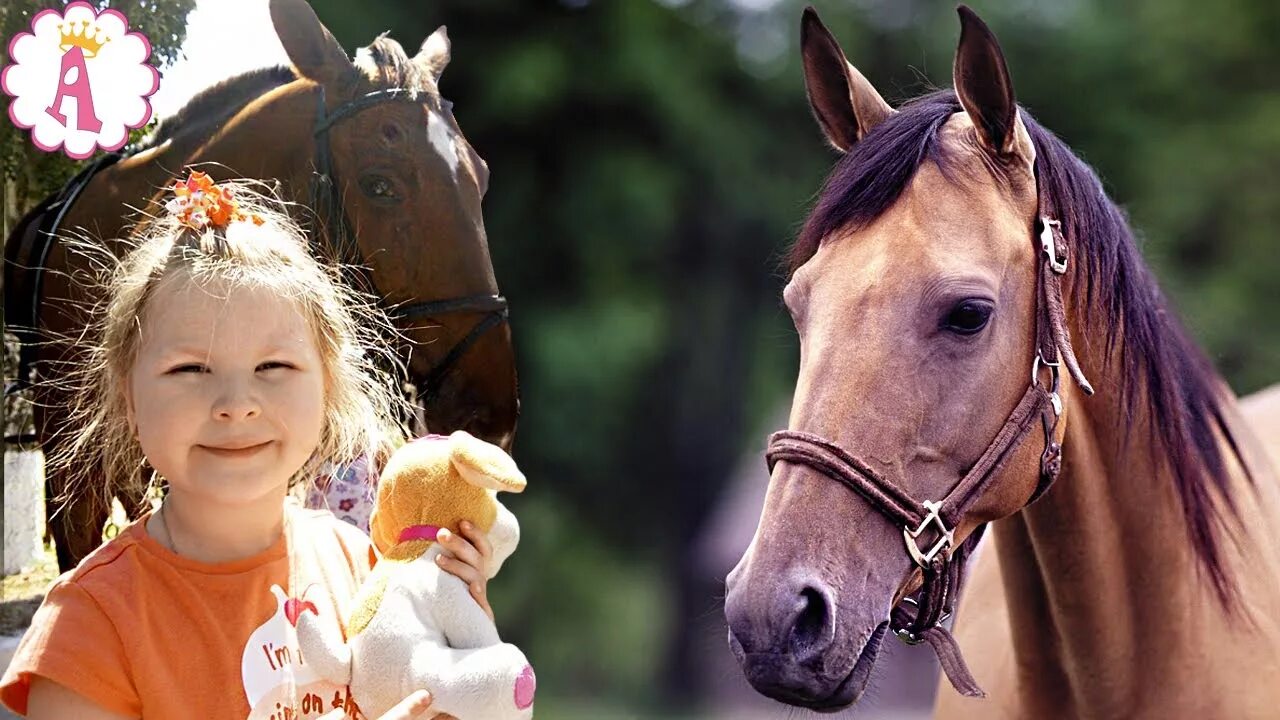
point(146, 633)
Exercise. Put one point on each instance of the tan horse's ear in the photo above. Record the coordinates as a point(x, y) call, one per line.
point(483, 464)
point(985, 89)
point(311, 47)
point(843, 101)
point(434, 55)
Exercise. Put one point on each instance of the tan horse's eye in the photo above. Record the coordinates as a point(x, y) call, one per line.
point(968, 317)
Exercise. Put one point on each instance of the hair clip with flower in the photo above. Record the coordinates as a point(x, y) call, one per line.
point(199, 203)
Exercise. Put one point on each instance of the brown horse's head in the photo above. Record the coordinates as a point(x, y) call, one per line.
point(410, 188)
point(913, 292)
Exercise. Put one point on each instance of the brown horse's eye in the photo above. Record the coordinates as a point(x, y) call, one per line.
point(390, 132)
point(968, 317)
point(377, 187)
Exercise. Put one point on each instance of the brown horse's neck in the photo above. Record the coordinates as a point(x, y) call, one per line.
point(287, 126)
point(148, 173)
point(1111, 615)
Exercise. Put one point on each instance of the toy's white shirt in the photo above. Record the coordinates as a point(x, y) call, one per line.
point(275, 674)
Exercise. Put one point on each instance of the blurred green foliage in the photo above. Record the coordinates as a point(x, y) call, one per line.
point(651, 163)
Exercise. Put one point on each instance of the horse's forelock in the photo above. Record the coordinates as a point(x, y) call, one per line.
point(875, 172)
point(385, 64)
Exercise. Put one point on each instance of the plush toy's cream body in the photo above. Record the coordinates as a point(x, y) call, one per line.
point(415, 626)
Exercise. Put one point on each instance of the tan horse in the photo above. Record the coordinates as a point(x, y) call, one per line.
point(938, 302)
point(404, 200)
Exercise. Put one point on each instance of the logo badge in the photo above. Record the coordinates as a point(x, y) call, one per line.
point(79, 80)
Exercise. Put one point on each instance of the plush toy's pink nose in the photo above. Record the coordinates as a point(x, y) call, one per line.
point(526, 683)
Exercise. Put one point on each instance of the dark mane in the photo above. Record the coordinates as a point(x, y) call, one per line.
point(1163, 372)
point(217, 103)
point(388, 66)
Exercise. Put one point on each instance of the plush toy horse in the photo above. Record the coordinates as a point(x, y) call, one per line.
point(415, 626)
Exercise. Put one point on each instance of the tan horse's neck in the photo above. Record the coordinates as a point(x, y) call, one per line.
point(1110, 615)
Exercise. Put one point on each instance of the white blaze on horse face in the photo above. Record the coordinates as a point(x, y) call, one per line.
point(442, 140)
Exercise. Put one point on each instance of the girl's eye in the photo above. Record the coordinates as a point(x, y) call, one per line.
point(968, 317)
point(273, 365)
point(189, 368)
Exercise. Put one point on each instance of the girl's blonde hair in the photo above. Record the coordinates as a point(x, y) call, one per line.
point(363, 401)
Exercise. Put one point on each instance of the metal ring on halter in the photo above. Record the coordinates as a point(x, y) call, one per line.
point(943, 544)
point(1050, 247)
point(1054, 367)
point(1055, 383)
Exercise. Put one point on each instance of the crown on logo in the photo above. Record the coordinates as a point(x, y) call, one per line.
point(84, 37)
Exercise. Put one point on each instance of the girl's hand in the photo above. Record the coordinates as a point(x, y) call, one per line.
point(468, 558)
point(411, 708)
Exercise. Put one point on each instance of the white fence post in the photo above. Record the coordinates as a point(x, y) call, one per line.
point(23, 509)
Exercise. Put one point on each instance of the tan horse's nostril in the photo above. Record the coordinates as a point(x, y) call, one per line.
point(813, 629)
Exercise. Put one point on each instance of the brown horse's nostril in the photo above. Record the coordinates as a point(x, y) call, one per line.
point(814, 628)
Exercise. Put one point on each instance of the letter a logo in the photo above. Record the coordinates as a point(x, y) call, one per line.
point(80, 80)
point(73, 66)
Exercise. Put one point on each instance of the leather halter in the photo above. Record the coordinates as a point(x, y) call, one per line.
point(342, 245)
point(942, 563)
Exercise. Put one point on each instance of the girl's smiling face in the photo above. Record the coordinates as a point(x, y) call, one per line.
point(227, 391)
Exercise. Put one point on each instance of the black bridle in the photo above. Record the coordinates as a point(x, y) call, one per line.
point(338, 242)
point(942, 563)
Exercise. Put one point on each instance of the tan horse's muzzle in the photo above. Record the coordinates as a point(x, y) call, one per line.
point(807, 630)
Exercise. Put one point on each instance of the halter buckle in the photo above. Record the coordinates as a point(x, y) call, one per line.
point(943, 544)
point(1055, 380)
point(1050, 247)
point(907, 637)
point(905, 634)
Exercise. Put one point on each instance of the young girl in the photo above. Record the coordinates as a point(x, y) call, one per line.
point(234, 364)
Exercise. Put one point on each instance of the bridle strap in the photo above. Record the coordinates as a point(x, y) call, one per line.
point(471, 303)
point(838, 464)
point(24, 314)
point(888, 497)
point(326, 121)
point(917, 619)
point(495, 309)
point(342, 245)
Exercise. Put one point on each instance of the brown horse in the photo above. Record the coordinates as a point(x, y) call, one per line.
point(955, 257)
point(374, 150)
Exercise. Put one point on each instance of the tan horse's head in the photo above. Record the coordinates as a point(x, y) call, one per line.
point(411, 188)
point(913, 293)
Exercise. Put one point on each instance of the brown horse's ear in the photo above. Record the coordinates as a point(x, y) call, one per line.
point(311, 47)
point(846, 105)
point(985, 89)
point(434, 55)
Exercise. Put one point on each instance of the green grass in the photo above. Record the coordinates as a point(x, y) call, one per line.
point(21, 594)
